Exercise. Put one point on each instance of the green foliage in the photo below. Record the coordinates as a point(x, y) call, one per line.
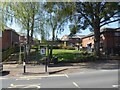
point(68, 47)
point(8, 52)
point(73, 56)
point(94, 15)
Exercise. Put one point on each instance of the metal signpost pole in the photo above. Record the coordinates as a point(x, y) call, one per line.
point(46, 65)
point(20, 54)
point(24, 64)
point(43, 53)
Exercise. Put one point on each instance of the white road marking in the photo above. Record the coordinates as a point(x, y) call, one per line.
point(42, 76)
point(11, 84)
point(25, 86)
point(1, 78)
point(31, 86)
point(115, 86)
point(104, 70)
point(66, 75)
point(110, 70)
point(76, 85)
point(56, 75)
point(28, 78)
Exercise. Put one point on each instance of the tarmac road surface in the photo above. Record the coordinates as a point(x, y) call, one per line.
point(85, 79)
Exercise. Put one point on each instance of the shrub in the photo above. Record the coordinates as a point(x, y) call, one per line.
point(7, 53)
point(56, 47)
point(68, 47)
point(75, 57)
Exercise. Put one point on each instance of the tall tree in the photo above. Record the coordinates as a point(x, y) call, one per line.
point(3, 10)
point(24, 14)
point(58, 13)
point(94, 15)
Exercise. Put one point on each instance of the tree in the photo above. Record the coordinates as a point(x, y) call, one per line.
point(94, 15)
point(24, 14)
point(58, 14)
point(3, 10)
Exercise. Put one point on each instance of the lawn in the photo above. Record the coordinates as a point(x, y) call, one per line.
point(59, 51)
point(71, 55)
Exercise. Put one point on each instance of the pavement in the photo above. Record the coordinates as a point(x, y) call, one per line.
point(39, 70)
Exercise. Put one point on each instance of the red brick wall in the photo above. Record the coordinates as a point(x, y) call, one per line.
point(88, 40)
point(15, 38)
point(8, 40)
point(0, 43)
point(109, 40)
point(22, 39)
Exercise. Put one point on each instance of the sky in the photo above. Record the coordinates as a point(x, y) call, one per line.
point(66, 30)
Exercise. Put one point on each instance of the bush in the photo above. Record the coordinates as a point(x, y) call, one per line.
point(56, 47)
point(7, 53)
point(74, 56)
point(68, 47)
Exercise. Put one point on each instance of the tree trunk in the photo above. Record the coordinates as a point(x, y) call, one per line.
point(28, 38)
point(28, 42)
point(97, 41)
point(51, 49)
point(32, 30)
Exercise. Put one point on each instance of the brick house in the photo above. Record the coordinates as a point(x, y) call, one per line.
point(0, 40)
point(23, 39)
point(109, 40)
point(9, 38)
point(72, 40)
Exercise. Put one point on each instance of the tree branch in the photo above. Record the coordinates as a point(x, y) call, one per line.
point(108, 17)
point(63, 22)
point(86, 19)
point(109, 22)
point(102, 8)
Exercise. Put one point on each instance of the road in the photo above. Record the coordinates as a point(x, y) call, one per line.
point(85, 79)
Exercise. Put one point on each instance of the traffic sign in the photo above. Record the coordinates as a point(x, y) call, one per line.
point(43, 50)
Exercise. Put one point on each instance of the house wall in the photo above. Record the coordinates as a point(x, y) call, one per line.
point(0, 43)
point(87, 40)
point(0, 39)
point(22, 39)
point(6, 39)
point(15, 38)
point(9, 39)
point(108, 41)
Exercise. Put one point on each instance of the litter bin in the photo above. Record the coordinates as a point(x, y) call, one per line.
point(55, 60)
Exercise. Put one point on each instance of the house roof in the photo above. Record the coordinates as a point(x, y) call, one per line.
point(67, 37)
point(77, 36)
point(103, 30)
point(22, 34)
point(8, 28)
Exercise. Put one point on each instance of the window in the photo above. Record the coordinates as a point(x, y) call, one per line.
point(117, 34)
